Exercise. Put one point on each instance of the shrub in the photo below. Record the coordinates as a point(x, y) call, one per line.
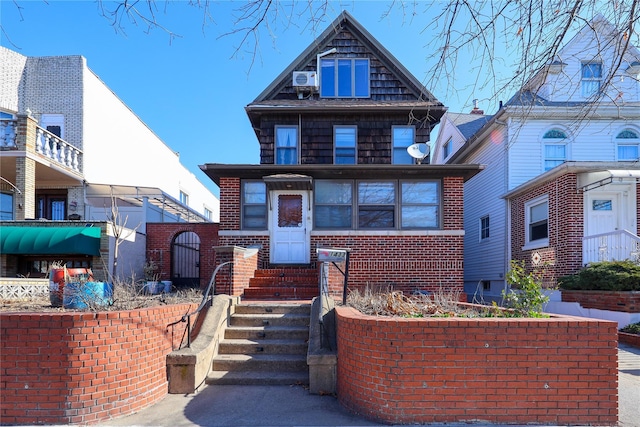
point(604, 276)
point(633, 328)
point(526, 298)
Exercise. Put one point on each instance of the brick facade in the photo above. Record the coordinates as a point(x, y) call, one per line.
point(628, 302)
point(160, 236)
point(498, 370)
point(78, 368)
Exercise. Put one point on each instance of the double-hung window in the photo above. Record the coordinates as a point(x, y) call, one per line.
point(344, 78)
point(402, 137)
point(419, 204)
point(537, 222)
point(184, 198)
point(254, 205)
point(555, 148)
point(333, 204)
point(6, 206)
point(627, 143)
point(376, 204)
point(345, 138)
point(591, 78)
point(484, 227)
point(446, 149)
point(286, 145)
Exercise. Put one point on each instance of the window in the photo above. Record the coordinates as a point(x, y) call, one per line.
point(254, 205)
point(627, 143)
point(39, 266)
point(286, 145)
point(536, 221)
point(484, 227)
point(591, 78)
point(555, 148)
point(333, 204)
point(446, 149)
point(53, 123)
point(344, 78)
point(345, 145)
point(208, 214)
point(52, 206)
point(6, 206)
point(377, 205)
point(184, 198)
point(420, 207)
point(403, 137)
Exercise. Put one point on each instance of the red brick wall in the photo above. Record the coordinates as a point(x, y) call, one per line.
point(440, 370)
point(628, 302)
point(232, 280)
point(77, 368)
point(563, 255)
point(161, 235)
point(230, 203)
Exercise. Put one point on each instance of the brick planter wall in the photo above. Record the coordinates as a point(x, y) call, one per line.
point(630, 339)
point(628, 302)
point(561, 370)
point(77, 368)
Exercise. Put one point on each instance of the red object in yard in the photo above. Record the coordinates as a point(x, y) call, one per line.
point(57, 281)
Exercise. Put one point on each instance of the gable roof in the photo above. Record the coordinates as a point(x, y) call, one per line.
point(422, 99)
point(468, 124)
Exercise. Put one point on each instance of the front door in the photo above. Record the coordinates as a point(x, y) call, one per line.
point(289, 227)
point(602, 212)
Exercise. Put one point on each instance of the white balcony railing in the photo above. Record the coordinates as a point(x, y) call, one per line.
point(57, 149)
point(7, 134)
point(613, 246)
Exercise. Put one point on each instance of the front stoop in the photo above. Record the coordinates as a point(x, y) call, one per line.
point(288, 283)
point(264, 344)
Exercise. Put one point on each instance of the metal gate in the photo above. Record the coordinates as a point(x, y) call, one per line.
point(185, 260)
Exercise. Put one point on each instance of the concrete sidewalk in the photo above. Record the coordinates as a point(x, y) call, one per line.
point(294, 406)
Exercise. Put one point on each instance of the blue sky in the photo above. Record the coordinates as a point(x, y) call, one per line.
point(191, 90)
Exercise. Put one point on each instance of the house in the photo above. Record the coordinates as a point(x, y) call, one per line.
point(73, 155)
point(560, 185)
point(333, 131)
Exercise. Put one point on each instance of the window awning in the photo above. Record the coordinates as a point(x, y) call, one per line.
point(288, 181)
point(50, 240)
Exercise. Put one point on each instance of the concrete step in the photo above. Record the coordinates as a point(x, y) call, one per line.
point(267, 363)
point(257, 378)
point(262, 346)
point(300, 333)
point(281, 292)
point(267, 308)
point(277, 319)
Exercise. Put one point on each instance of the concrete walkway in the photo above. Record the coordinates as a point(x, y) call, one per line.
point(294, 406)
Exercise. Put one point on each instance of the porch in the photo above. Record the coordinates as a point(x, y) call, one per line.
point(615, 245)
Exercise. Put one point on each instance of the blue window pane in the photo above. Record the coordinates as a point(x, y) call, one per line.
point(375, 218)
point(6, 206)
point(333, 216)
point(333, 192)
point(362, 78)
point(376, 193)
point(344, 77)
point(286, 145)
point(420, 192)
point(328, 78)
point(345, 139)
point(592, 70)
point(627, 152)
point(403, 136)
point(255, 192)
point(419, 217)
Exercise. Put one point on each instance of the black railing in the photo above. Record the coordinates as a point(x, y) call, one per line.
point(203, 303)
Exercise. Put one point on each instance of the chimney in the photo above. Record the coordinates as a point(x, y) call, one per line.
point(476, 110)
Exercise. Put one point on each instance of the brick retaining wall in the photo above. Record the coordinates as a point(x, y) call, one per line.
point(561, 370)
point(628, 302)
point(76, 368)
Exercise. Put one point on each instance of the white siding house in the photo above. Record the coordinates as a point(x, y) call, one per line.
point(70, 149)
point(565, 122)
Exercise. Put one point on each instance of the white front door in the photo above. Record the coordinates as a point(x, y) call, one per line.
point(602, 212)
point(289, 227)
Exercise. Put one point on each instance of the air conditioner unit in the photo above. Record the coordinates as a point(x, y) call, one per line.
point(305, 79)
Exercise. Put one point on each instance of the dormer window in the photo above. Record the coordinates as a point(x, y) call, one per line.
point(591, 78)
point(344, 78)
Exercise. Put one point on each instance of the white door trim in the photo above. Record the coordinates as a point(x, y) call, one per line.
point(290, 244)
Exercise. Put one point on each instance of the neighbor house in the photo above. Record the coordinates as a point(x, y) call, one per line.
point(560, 185)
point(333, 131)
point(73, 156)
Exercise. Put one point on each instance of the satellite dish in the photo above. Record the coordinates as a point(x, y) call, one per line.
point(418, 151)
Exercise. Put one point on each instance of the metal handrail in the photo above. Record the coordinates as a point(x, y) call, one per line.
point(187, 317)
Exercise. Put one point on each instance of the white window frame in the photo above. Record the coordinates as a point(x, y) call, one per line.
point(590, 80)
point(627, 142)
point(447, 148)
point(208, 213)
point(482, 228)
point(276, 147)
point(552, 141)
point(395, 148)
point(184, 198)
point(53, 120)
point(538, 243)
point(355, 144)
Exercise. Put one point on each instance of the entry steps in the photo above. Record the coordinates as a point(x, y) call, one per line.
point(264, 344)
point(289, 283)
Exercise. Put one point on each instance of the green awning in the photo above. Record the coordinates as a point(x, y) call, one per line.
point(28, 240)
